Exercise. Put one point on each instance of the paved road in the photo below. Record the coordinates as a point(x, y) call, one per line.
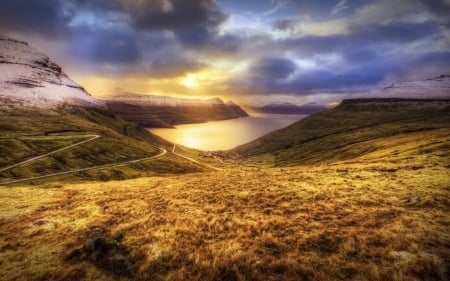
point(194, 160)
point(93, 137)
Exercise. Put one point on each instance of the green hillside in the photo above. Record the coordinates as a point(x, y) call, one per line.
point(358, 128)
point(27, 133)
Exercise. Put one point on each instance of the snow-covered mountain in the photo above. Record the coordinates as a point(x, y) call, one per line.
point(29, 78)
point(161, 111)
point(438, 87)
point(163, 101)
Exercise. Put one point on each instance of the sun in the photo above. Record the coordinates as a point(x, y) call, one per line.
point(189, 81)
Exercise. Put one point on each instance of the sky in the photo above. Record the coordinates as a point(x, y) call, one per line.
point(250, 51)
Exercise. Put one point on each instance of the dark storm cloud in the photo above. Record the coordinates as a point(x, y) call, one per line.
point(354, 79)
point(38, 16)
point(354, 61)
point(312, 81)
point(360, 55)
point(228, 43)
point(206, 38)
point(95, 28)
point(284, 24)
point(442, 58)
point(439, 62)
point(273, 68)
point(398, 32)
point(96, 5)
point(170, 67)
point(168, 38)
point(362, 59)
point(438, 7)
point(110, 46)
point(371, 34)
point(325, 80)
point(157, 15)
point(119, 51)
point(366, 75)
point(196, 36)
point(175, 14)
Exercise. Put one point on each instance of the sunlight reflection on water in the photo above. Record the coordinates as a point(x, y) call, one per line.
point(227, 134)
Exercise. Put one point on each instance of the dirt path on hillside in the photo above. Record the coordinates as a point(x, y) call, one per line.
point(194, 160)
point(93, 137)
point(163, 151)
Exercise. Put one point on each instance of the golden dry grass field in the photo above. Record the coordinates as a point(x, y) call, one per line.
point(341, 203)
point(342, 221)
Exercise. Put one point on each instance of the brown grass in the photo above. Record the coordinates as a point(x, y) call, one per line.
point(334, 222)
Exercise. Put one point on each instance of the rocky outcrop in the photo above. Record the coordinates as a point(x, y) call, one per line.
point(29, 78)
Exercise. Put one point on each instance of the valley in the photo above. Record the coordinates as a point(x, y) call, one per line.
point(370, 204)
point(347, 220)
point(356, 192)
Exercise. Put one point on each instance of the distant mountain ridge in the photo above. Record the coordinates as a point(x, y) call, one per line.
point(29, 78)
point(289, 108)
point(163, 111)
point(154, 100)
point(355, 128)
point(437, 87)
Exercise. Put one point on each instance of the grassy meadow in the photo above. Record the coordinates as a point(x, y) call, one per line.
point(331, 222)
point(342, 203)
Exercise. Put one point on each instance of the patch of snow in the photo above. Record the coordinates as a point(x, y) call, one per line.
point(438, 87)
point(30, 78)
point(153, 100)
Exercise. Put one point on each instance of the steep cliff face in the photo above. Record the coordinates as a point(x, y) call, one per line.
point(162, 101)
point(29, 78)
point(236, 109)
point(160, 111)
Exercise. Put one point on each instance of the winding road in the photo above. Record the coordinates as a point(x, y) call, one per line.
point(194, 160)
point(163, 151)
point(94, 137)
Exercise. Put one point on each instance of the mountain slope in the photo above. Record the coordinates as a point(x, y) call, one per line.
point(30, 78)
point(42, 111)
point(360, 221)
point(289, 108)
point(162, 111)
point(356, 128)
